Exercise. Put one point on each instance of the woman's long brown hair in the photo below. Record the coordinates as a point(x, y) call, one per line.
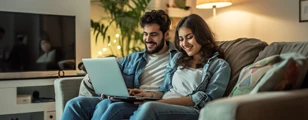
point(203, 35)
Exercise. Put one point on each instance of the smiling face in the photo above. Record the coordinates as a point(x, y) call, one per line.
point(188, 42)
point(154, 39)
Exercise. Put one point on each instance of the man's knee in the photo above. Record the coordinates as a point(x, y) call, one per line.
point(117, 105)
point(75, 101)
point(83, 101)
point(104, 102)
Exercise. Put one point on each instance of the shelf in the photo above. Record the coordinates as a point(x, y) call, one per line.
point(27, 108)
point(24, 116)
point(10, 90)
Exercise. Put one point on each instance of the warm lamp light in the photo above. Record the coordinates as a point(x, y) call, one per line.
point(208, 4)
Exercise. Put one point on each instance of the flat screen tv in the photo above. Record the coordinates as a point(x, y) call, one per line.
point(36, 45)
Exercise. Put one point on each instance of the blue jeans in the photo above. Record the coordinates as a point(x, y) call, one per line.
point(149, 111)
point(86, 108)
point(80, 108)
point(163, 111)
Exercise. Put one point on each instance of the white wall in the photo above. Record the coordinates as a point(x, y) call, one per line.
point(268, 20)
point(78, 8)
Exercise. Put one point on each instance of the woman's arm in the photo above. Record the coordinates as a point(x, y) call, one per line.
point(215, 88)
point(217, 84)
point(185, 101)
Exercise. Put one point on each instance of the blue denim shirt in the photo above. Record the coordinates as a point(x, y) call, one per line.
point(132, 65)
point(215, 78)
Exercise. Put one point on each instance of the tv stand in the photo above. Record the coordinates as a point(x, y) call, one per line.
point(23, 108)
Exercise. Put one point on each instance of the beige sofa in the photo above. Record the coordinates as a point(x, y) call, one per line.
point(239, 53)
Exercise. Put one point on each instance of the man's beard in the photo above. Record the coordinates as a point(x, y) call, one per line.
point(159, 47)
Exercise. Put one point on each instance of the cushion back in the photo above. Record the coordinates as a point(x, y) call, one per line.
point(240, 53)
point(277, 48)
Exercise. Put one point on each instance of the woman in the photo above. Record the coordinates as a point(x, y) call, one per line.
point(197, 75)
point(49, 55)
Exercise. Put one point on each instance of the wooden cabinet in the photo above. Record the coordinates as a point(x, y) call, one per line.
point(37, 109)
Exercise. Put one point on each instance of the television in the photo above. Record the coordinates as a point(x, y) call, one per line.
point(37, 45)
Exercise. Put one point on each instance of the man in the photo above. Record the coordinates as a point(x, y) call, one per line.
point(2, 33)
point(3, 52)
point(2, 49)
point(19, 55)
point(143, 70)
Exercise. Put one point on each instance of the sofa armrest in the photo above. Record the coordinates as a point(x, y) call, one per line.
point(65, 89)
point(283, 105)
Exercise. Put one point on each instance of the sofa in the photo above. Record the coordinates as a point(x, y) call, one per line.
point(271, 105)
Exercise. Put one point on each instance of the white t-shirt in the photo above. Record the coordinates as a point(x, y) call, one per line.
point(184, 82)
point(153, 74)
point(48, 57)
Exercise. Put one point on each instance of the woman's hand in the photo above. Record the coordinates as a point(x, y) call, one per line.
point(140, 93)
point(133, 92)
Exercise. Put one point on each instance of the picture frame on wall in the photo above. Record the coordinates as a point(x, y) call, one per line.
point(303, 10)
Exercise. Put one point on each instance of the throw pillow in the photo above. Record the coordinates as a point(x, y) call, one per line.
point(278, 72)
point(251, 74)
point(288, 74)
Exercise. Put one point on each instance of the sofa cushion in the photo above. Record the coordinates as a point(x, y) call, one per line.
point(251, 74)
point(288, 74)
point(276, 48)
point(274, 73)
point(240, 53)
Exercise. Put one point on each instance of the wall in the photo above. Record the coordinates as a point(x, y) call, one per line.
point(78, 8)
point(268, 20)
point(97, 13)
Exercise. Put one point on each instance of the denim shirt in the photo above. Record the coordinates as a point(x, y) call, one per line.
point(132, 65)
point(215, 78)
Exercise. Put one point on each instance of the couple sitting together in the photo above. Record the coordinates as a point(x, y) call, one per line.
point(185, 80)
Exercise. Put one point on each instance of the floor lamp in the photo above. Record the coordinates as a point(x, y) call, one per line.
point(212, 4)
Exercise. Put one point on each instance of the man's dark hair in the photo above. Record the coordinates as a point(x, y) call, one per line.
point(2, 30)
point(159, 17)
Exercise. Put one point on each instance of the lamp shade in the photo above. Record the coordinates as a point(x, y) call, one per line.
point(208, 4)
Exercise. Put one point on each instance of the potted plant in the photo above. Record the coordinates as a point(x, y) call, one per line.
point(125, 16)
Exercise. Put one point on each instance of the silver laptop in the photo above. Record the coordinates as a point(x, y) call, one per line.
point(107, 78)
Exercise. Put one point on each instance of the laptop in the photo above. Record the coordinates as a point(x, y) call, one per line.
point(106, 77)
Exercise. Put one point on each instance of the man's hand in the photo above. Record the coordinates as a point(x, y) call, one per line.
point(110, 98)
